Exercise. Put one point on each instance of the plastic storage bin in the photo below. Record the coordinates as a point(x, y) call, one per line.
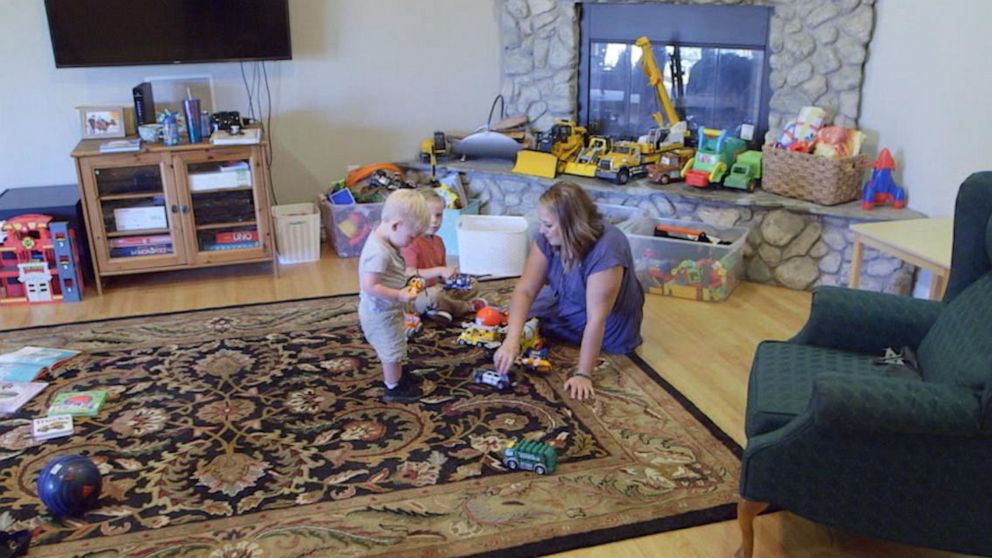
point(492, 244)
point(349, 226)
point(297, 228)
point(626, 218)
point(685, 268)
point(449, 226)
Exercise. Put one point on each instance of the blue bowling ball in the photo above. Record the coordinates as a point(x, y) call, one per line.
point(69, 485)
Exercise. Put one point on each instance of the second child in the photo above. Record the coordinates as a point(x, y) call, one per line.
point(425, 256)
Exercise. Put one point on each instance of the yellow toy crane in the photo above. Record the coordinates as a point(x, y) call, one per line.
point(676, 128)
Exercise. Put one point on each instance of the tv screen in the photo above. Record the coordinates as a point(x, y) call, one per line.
point(133, 32)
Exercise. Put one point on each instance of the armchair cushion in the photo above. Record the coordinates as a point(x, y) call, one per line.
point(782, 378)
point(893, 405)
point(958, 348)
point(866, 322)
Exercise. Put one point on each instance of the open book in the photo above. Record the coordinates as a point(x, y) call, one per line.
point(30, 363)
point(15, 394)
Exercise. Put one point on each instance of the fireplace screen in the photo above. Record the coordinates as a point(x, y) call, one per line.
point(720, 87)
point(713, 59)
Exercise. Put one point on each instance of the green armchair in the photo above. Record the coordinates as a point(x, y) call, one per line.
point(836, 438)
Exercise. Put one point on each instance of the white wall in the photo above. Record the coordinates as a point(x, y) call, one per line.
point(368, 80)
point(928, 81)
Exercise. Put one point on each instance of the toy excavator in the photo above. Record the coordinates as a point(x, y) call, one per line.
point(552, 151)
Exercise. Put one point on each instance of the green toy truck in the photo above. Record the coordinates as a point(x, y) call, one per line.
point(746, 172)
point(714, 155)
point(530, 456)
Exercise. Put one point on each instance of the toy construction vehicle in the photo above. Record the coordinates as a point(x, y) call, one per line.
point(669, 165)
point(529, 455)
point(585, 162)
point(746, 172)
point(627, 160)
point(715, 153)
point(674, 131)
point(552, 150)
point(433, 150)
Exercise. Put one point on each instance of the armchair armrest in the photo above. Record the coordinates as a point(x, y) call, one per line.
point(866, 321)
point(893, 405)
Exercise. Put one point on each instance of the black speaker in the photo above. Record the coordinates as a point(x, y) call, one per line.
point(144, 104)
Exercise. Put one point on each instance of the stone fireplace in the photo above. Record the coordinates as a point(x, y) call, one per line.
point(817, 51)
point(816, 54)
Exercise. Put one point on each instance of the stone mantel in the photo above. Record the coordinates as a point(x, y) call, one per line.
point(793, 243)
point(678, 190)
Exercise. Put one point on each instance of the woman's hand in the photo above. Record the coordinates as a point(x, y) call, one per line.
point(579, 387)
point(506, 355)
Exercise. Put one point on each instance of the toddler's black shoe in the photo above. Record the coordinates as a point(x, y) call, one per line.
point(406, 391)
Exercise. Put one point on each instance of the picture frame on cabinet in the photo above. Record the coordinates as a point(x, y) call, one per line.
point(102, 121)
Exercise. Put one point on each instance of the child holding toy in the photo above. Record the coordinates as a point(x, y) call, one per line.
point(425, 256)
point(383, 296)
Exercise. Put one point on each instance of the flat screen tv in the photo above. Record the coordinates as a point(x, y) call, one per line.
point(134, 32)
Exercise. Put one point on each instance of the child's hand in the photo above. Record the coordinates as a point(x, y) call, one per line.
point(407, 294)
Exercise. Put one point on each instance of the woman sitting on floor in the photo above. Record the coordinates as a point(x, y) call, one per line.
point(579, 281)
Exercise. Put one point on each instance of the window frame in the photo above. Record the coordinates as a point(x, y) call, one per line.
point(688, 25)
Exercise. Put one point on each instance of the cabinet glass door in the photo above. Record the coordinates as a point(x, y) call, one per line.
point(223, 201)
point(133, 205)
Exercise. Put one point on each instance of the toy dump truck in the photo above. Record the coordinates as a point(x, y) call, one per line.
point(530, 456)
point(715, 153)
point(746, 172)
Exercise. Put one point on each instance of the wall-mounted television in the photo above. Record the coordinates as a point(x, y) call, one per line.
point(136, 32)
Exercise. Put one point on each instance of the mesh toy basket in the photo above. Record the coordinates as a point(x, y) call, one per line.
point(808, 177)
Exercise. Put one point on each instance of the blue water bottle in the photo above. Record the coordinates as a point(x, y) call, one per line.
point(170, 129)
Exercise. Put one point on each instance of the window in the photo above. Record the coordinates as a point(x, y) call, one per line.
point(717, 51)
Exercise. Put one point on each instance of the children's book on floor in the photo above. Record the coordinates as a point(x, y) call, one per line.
point(46, 428)
point(13, 395)
point(77, 403)
point(30, 363)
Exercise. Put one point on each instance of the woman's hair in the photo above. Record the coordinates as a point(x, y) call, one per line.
point(408, 206)
point(578, 218)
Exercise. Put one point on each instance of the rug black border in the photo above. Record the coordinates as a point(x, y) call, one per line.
point(724, 512)
point(694, 518)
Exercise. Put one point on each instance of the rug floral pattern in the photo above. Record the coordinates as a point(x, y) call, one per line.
point(259, 431)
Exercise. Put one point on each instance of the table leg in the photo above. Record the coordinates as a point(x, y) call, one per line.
point(857, 253)
point(938, 284)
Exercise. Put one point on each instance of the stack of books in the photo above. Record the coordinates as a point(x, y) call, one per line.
point(245, 137)
point(121, 145)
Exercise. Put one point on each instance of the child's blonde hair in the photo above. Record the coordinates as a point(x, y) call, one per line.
point(408, 206)
point(431, 196)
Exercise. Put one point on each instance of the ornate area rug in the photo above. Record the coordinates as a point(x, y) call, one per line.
point(258, 431)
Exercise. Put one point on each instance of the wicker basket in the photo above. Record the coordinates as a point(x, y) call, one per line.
point(808, 177)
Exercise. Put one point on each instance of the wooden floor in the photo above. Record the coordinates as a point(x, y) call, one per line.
point(703, 349)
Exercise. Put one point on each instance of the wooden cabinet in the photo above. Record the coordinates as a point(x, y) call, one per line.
point(168, 208)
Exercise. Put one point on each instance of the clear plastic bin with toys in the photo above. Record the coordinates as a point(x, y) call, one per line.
point(348, 226)
point(687, 264)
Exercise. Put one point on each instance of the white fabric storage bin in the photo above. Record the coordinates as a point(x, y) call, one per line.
point(492, 244)
point(297, 227)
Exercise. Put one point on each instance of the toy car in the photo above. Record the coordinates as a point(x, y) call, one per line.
point(412, 324)
point(530, 456)
point(458, 282)
point(488, 376)
point(489, 338)
point(540, 365)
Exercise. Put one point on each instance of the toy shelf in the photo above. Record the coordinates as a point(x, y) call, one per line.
point(211, 201)
point(141, 232)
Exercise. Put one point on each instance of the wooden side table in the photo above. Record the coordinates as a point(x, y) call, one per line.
point(924, 243)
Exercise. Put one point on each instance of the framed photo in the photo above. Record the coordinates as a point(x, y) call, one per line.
point(98, 122)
